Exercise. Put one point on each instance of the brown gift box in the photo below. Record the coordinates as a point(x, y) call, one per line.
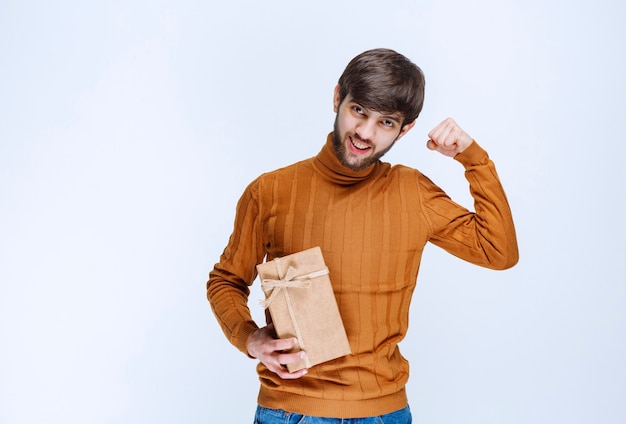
point(302, 304)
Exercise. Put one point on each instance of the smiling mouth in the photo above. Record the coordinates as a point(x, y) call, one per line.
point(358, 145)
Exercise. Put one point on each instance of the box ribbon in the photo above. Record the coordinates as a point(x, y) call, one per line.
point(290, 280)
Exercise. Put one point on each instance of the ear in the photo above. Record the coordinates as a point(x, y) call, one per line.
point(336, 99)
point(405, 129)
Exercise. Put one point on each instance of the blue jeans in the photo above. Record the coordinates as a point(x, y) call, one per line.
point(277, 416)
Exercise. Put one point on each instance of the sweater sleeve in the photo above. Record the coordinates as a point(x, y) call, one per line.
point(229, 281)
point(485, 237)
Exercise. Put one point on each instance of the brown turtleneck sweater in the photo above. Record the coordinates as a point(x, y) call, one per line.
point(372, 226)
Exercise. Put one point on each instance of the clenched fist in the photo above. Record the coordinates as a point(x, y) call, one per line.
point(448, 138)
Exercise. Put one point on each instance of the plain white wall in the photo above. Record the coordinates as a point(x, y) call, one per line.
point(128, 130)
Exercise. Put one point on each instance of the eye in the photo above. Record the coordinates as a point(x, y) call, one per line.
point(388, 123)
point(358, 109)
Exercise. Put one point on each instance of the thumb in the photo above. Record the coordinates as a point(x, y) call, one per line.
point(431, 145)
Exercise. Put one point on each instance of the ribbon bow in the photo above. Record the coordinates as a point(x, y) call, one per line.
point(290, 280)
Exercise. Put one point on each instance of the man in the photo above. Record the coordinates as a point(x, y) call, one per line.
point(372, 221)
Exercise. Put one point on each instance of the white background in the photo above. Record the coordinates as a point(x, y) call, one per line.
point(128, 130)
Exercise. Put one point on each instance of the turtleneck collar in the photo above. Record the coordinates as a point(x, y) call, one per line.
point(328, 164)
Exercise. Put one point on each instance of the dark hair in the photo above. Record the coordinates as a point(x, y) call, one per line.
point(386, 81)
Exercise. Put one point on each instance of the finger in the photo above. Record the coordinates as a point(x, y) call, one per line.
point(281, 370)
point(286, 375)
point(448, 137)
point(290, 358)
point(434, 133)
point(284, 344)
point(440, 136)
point(441, 128)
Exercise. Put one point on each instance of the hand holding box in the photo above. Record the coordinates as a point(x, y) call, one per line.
point(302, 304)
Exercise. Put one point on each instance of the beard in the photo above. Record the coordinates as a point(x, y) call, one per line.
point(349, 160)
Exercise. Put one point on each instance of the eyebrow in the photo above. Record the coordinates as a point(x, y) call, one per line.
point(393, 117)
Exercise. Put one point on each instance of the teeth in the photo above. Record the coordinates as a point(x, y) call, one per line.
point(359, 145)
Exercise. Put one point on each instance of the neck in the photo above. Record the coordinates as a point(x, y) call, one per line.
point(329, 165)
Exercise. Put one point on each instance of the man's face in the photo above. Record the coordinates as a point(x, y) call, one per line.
point(362, 136)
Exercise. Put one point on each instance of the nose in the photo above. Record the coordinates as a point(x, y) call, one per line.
point(366, 130)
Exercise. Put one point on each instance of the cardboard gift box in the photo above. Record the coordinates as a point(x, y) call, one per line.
point(302, 304)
